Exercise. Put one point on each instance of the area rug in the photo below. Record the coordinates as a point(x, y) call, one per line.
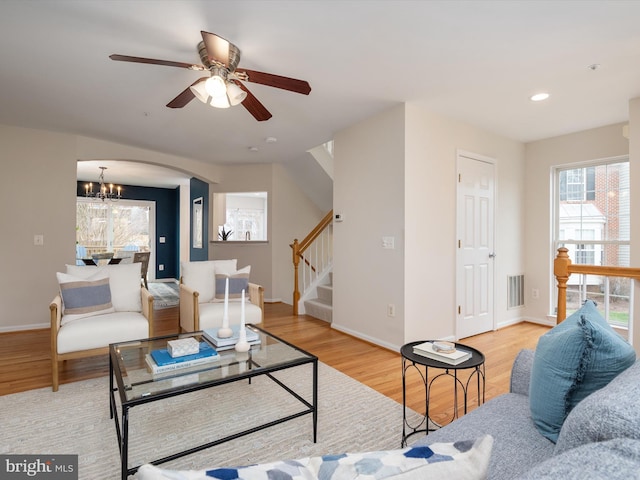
point(165, 294)
point(75, 420)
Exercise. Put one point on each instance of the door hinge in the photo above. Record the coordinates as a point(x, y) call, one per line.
point(459, 243)
point(459, 310)
point(459, 177)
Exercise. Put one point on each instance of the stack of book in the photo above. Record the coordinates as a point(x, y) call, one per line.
point(161, 361)
point(211, 334)
point(454, 357)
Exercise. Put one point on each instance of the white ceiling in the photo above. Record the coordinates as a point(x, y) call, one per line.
point(477, 61)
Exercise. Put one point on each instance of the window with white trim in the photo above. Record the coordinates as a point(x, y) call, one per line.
point(592, 220)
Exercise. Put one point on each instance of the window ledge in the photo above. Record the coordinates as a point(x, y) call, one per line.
point(240, 242)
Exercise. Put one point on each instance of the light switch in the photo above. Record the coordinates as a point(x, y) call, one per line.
point(388, 243)
point(162, 239)
point(38, 240)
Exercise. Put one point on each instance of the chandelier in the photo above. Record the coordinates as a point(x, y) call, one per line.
point(111, 192)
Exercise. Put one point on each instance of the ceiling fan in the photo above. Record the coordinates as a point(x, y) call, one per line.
point(223, 87)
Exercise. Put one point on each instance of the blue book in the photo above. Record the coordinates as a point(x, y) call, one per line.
point(162, 356)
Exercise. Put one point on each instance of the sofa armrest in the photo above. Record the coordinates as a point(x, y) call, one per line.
point(256, 296)
point(147, 307)
point(189, 314)
point(521, 372)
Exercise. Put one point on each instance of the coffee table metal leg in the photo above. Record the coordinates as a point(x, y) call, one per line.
point(124, 445)
point(315, 401)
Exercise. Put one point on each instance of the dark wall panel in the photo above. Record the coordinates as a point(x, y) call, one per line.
point(200, 189)
point(167, 224)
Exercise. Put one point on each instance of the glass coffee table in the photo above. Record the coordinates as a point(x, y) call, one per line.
point(133, 384)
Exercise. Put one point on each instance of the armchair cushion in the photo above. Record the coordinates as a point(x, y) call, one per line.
point(82, 298)
point(200, 276)
point(124, 281)
point(238, 281)
point(211, 314)
point(101, 330)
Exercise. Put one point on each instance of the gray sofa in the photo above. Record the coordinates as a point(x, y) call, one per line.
point(600, 438)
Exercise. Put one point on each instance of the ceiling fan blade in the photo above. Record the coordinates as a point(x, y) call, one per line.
point(285, 83)
point(253, 105)
point(185, 96)
point(217, 47)
point(153, 61)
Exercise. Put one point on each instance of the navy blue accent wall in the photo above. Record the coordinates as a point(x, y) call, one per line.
point(200, 189)
point(167, 224)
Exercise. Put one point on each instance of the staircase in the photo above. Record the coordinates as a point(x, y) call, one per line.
point(321, 307)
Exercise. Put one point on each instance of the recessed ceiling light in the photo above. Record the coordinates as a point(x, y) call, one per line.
point(538, 97)
point(271, 140)
point(253, 149)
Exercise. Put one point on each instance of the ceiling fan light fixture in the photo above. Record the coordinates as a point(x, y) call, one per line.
point(235, 93)
point(215, 86)
point(200, 92)
point(220, 102)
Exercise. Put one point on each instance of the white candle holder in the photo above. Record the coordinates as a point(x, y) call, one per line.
point(225, 331)
point(242, 345)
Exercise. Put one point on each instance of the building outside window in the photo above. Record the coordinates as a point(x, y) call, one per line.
point(592, 220)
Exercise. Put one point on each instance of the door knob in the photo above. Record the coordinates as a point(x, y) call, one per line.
point(492, 255)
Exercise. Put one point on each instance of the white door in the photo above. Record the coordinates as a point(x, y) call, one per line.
point(475, 259)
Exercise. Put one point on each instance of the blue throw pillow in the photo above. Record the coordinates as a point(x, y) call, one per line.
point(572, 360)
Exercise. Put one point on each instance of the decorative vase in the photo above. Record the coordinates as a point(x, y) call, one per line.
point(225, 331)
point(242, 345)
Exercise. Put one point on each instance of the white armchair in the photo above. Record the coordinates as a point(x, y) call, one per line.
point(97, 306)
point(202, 301)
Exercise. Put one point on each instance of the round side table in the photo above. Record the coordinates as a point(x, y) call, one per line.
point(410, 359)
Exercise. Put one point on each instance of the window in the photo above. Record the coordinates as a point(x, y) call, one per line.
point(240, 216)
point(592, 220)
point(119, 227)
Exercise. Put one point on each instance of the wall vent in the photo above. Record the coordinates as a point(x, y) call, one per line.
point(515, 291)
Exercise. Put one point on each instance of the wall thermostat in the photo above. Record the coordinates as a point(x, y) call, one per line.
point(338, 217)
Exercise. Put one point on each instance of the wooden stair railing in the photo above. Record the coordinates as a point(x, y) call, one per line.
point(298, 249)
point(563, 268)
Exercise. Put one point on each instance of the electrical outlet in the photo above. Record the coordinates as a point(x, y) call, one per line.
point(161, 267)
point(391, 310)
point(535, 293)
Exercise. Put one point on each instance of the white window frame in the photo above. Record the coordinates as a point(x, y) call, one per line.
point(597, 244)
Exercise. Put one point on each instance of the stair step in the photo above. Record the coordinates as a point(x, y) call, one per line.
point(319, 309)
point(325, 293)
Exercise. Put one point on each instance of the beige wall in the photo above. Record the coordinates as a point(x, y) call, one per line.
point(290, 214)
point(395, 175)
point(294, 216)
point(368, 191)
point(541, 156)
point(430, 220)
point(38, 196)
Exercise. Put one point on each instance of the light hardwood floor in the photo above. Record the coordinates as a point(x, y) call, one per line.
point(25, 361)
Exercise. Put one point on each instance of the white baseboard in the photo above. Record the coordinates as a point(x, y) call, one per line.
point(20, 328)
point(273, 300)
point(547, 322)
point(375, 341)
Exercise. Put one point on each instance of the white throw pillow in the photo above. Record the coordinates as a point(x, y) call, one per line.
point(225, 267)
point(464, 460)
point(84, 297)
point(124, 281)
point(201, 276)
